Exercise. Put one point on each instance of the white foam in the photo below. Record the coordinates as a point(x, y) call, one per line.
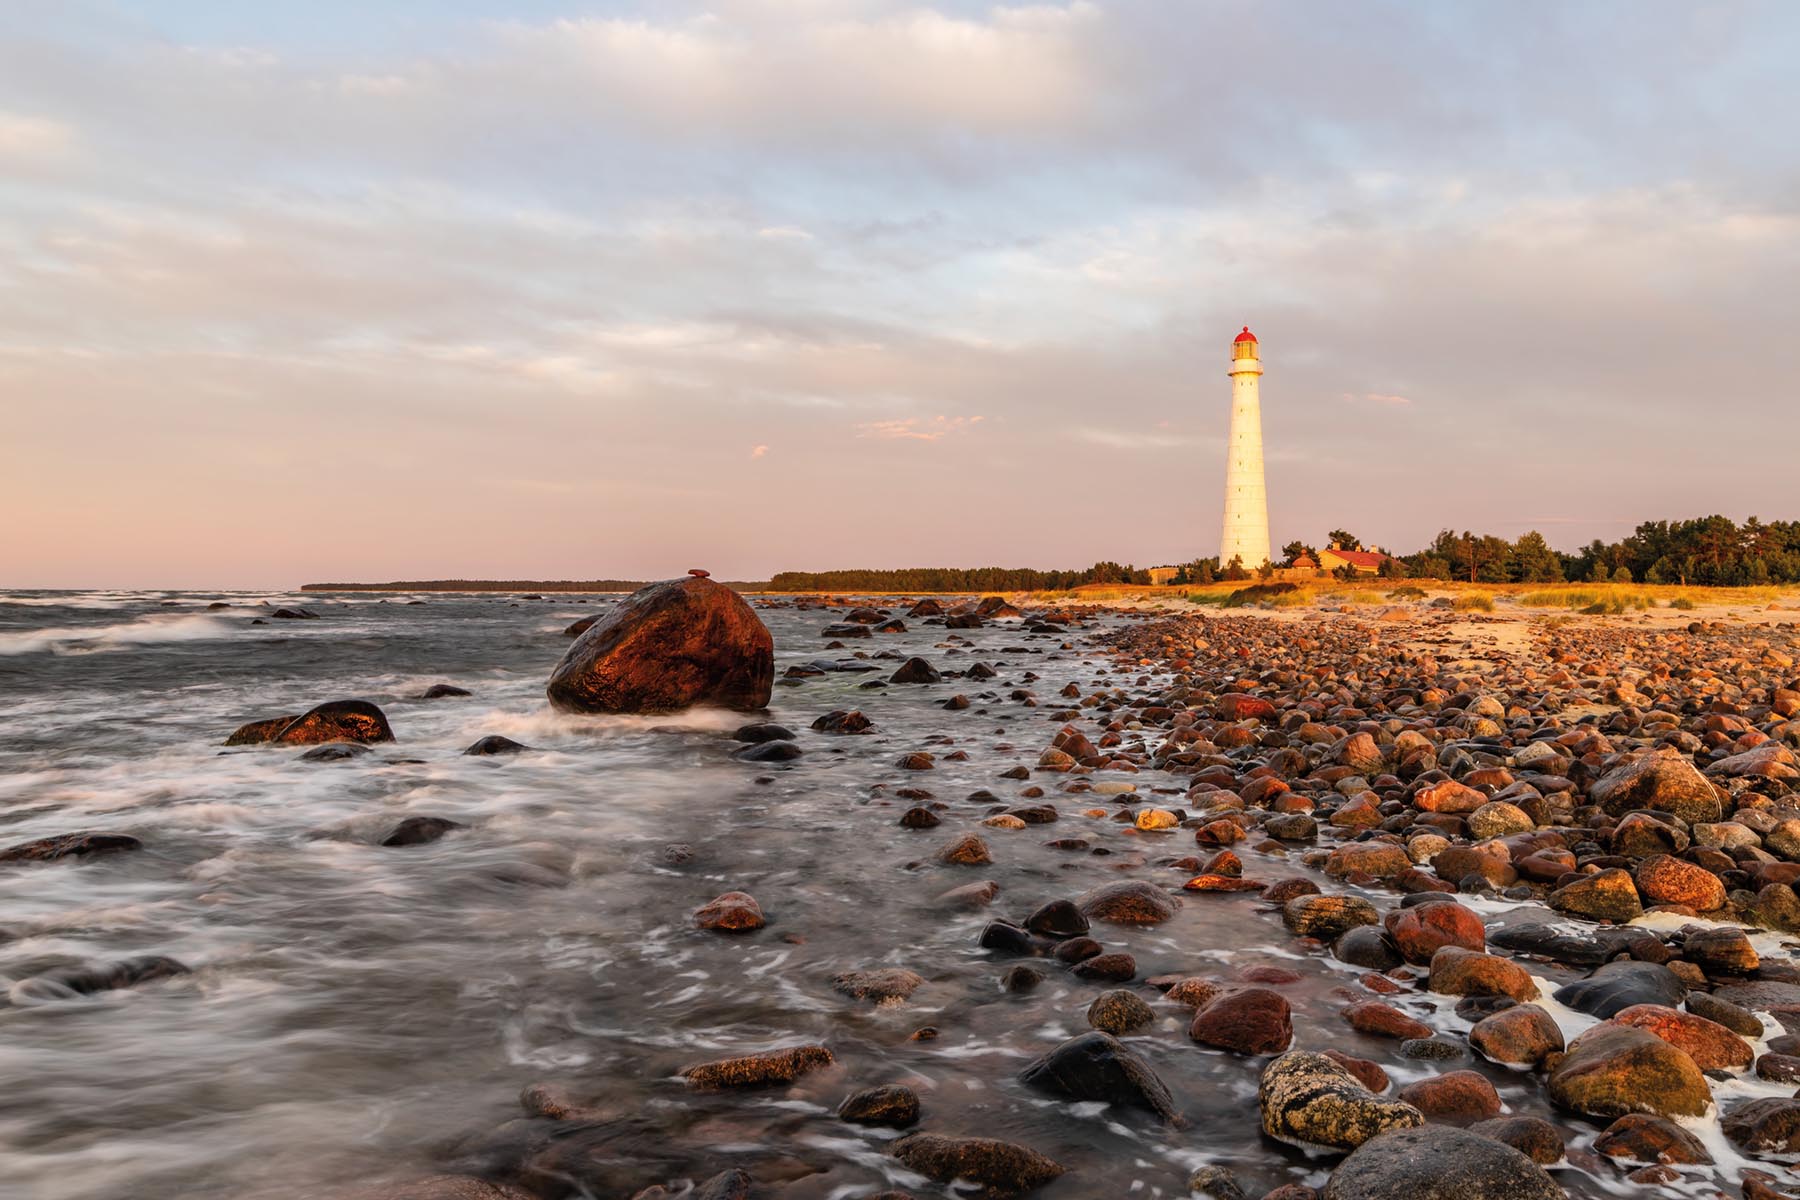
point(192, 627)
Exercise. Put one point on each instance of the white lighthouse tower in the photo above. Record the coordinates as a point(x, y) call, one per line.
point(1246, 534)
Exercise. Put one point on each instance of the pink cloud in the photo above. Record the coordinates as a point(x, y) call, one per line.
point(758, 451)
point(917, 429)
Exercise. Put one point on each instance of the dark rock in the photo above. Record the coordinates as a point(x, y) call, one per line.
point(334, 752)
point(85, 844)
point(1058, 919)
point(763, 731)
point(1097, 1066)
point(668, 647)
point(86, 981)
point(1769, 1126)
point(1438, 1162)
point(768, 752)
point(726, 1185)
point(1327, 917)
point(915, 670)
point(844, 722)
point(443, 691)
point(417, 831)
point(493, 743)
point(1617, 986)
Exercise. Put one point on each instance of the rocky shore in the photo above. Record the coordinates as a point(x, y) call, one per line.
point(1397, 905)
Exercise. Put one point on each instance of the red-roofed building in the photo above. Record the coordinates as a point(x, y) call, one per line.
point(1366, 562)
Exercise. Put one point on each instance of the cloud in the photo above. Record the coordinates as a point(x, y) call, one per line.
point(758, 451)
point(26, 139)
point(602, 250)
point(916, 429)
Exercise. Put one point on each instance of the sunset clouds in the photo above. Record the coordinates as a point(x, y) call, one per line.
point(250, 258)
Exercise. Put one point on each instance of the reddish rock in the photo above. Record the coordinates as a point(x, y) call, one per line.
point(1384, 1020)
point(1367, 1072)
point(1645, 1138)
point(1709, 1044)
point(1662, 879)
point(1248, 1021)
point(967, 850)
point(668, 647)
point(1521, 1036)
point(1236, 706)
point(1421, 931)
point(1448, 796)
point(1459, 972)
point(1609, 895)
point(733, 912)
point(758, 1070)
point(1614, 1069)
point(1455, 1097)
point(338, 721)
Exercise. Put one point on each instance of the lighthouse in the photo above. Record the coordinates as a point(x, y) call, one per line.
point(1246, 534)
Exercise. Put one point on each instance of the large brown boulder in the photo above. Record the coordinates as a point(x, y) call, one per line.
point(335, 721)
point(666, 647)
point(1439, 1162)
point(1665, 781)
point(1612, 1070)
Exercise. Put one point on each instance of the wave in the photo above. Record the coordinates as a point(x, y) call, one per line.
point(144, 631)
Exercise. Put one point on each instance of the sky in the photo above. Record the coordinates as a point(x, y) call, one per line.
point(469, 289)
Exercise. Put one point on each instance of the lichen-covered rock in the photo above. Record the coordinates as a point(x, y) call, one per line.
point(1310, 1100)
point(891, 1105)
point(1664, 879)
point(758, 1070)
point(1327, 917)
point(667, 647)
point(1609, 895)
point(1422, 930)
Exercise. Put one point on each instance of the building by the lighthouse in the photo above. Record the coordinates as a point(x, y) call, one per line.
point(1246, 535)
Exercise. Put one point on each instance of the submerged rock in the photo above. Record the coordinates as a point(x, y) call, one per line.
point(1619, 985)
point(1097, 1066)
point(1127, 902)
point(1247, 1021)
point(733, 912)
point(417, 831)
point(86, 981)
point(494, 743)
point(69, 845)
point(999, 1168)
point(667, 647)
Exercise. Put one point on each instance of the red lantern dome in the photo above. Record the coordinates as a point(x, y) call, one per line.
point(1245, 336)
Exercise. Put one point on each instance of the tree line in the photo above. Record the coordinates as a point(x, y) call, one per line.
point(1709, 551)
